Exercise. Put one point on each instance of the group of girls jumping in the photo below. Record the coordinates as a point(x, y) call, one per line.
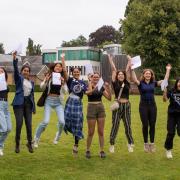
point(70, 118)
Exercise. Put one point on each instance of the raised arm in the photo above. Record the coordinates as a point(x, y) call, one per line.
point(64, 67)
point(128, 68)
point(15, 65)
point(44, 83)
point(90, 89)
point(113, 68)
point(166, 77)
point(165, 98)
point(107, 92)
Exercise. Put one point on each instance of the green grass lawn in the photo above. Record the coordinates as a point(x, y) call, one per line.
point(51, 161)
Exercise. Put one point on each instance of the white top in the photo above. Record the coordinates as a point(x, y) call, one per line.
point(27, 87)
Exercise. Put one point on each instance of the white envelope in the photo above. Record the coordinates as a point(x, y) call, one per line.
point(89, 69)
point(56, 78)
point(164, 84)
point(100, 84)
point(3, 84)
point(136, 61)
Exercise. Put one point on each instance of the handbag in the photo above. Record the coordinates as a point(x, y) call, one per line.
point(42, 98)
point(115, 104)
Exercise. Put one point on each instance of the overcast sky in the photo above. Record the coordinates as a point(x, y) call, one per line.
point(50, 22)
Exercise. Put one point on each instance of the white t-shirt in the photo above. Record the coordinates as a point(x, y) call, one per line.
point(27, 87)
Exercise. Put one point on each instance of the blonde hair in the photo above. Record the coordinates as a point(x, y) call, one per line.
point(152, 75)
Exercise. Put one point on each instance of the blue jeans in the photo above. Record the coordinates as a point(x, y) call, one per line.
point(5, 122)
point(51, 102)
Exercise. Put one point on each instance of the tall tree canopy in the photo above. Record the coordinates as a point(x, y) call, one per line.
point(103, 35)
point(152, 29)
point(79, 41)
point(2, 51)
point(32, 49)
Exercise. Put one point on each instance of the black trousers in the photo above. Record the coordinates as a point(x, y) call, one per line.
point(148, 114)
point(173, 123)
point(26, 112)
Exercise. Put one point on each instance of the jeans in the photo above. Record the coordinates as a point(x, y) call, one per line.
point(51, 102)
point(5, 122)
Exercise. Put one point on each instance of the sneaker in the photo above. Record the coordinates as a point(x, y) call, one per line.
point(111, 149)
point(130, 147)
point(152, 147)
point(17, 149)
point(88, 154)
point(35, 142)
point(75, 150)
point(30, 148)
point(169, 154)
point(146, 147)
point(56, 139)
point(1, 152)
point(102, 154)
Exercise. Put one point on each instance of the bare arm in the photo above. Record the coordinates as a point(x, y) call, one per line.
point(166, 77)
point(44, 83)
point(90, 89)
point(134, 77)
point(165, 98)
point(64, 67)
point(113, 68)
point(128, 68)
point(107, 92)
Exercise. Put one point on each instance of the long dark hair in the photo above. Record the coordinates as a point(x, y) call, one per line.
point(5, 72)
point(52, 66)
point(175, 85)
point(125, 78)
point(26, 66)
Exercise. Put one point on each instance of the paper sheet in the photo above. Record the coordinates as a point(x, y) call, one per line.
point(89, 69)
point(19, 48)
point(100, 84)
point(164, 84)
point(56, 78)
point(3, 84)
point(136, 61)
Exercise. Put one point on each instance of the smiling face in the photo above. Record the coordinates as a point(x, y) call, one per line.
point(25, 72)
point(147, 75)
point(58, 68)
point(120, 76)
point(76, 73)
point(95, 78)
point(178, 85)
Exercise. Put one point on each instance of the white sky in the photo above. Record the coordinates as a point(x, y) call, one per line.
point(50, 22)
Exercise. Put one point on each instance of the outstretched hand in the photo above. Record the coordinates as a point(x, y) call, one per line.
point(168, 67)
point(14, 54)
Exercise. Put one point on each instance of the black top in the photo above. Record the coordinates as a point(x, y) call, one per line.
point(147, 91)
point(174, 99)
point(55, 89)
point(96, 95)
point(77, 87)
point(4, 93)
point(117, 85)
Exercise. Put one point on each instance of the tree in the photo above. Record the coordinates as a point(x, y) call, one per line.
point(102, 35)
point(33, 50)
point(79, 41)
point(152, 30)
point(2, 51)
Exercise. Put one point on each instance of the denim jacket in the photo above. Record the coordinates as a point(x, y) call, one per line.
point(19, 94)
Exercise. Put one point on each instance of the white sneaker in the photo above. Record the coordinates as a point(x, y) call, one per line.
point(111, 149)
point(130, 147)
point(146, 147)
point(169, 154)
point(35, 143)
point(1, 152)
point(56, 139)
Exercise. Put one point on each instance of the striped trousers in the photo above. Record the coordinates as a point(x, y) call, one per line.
point(124, 113)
